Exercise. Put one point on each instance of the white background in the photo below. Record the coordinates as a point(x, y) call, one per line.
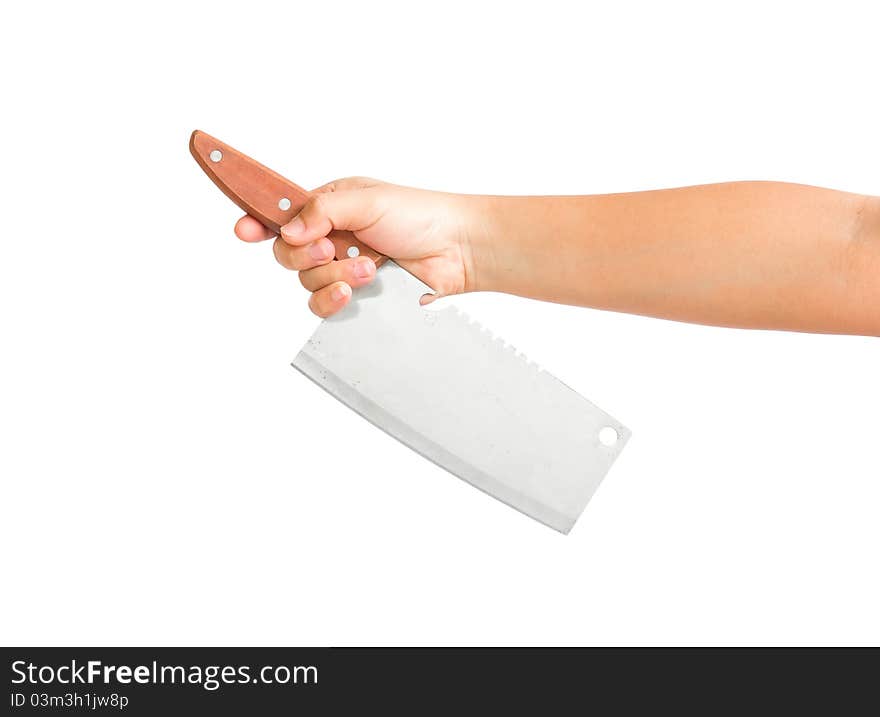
point(167, 478)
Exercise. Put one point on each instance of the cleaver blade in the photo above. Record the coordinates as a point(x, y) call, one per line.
point(434, 379)
point(444, 386)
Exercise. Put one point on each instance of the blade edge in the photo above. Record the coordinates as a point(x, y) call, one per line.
point(437, 454)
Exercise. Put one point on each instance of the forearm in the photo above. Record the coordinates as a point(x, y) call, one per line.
point(748, 254)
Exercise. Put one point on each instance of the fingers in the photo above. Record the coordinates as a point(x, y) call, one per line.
point(302, 258)
point(250, 230)
point(354, 272)
point(304, 246)
point(353, 210)
point(330, 299)
point(330, 281)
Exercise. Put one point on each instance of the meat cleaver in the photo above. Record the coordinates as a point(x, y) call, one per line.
point(436, 380)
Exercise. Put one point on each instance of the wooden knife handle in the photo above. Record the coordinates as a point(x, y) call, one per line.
point(262, 193)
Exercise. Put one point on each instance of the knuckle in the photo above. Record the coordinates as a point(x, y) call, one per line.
point(317, 206)
point(342, 184)
point(315, 306)
point(353, 272)
point(290, 257)
point(280, 252)
point(310, 280)
point(298, 260)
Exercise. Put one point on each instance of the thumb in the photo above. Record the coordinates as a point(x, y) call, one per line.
point(350, 210)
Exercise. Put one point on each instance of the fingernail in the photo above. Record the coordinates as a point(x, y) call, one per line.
point(363, 268)
point(338, 293)
point(321, 249)
point(294, 227)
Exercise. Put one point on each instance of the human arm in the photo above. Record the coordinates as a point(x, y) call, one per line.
point(747, 254)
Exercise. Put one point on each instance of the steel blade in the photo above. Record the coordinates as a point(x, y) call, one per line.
point(448, 389)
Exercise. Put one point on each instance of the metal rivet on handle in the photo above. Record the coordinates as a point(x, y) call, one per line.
point(216, 155)
point(284, 204)
point(352, 251)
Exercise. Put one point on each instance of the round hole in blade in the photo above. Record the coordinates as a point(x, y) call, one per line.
point(216, 155)
point(352, 252)
point(608, 436)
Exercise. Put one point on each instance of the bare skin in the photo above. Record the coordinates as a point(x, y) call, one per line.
point(762, 255)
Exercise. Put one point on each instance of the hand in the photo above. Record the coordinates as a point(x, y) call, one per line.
point(427, 233)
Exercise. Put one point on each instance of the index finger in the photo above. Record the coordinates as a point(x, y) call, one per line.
point(250, 230)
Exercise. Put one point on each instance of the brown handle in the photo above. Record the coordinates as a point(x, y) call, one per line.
point(262, 193)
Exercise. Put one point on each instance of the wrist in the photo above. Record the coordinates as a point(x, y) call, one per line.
point(514, 242)
point(479, 240)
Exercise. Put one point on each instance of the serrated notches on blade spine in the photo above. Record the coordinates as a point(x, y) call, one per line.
point(498, 341)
